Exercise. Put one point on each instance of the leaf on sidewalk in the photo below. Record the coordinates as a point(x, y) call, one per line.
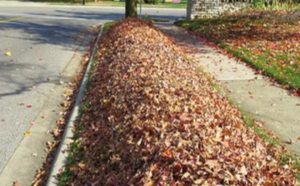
point(8, 53)
point(27, 133)
point(16, 183)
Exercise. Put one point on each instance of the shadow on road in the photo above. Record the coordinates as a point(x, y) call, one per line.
point(60, 28)
point(18, 76)
point(44, 32)
point(16, 84)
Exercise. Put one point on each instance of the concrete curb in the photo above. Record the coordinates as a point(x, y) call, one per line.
point(62, 153)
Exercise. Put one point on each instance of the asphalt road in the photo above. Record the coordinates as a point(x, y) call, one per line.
point(42, 40)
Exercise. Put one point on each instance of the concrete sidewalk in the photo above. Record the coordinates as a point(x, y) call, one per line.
point(255, 94)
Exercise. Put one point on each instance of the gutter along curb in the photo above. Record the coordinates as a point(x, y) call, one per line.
point(62, 153)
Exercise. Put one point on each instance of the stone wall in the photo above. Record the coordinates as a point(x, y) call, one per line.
point(211, 8)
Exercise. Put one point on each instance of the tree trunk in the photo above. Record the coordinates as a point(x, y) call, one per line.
point(131, 8)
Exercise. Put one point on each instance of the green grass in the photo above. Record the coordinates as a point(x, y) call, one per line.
point(106, 27)
point(84, 107)
point(262, 133)
point(75, 152)
point(279, 6)
point(294, 162)
point(75, 156)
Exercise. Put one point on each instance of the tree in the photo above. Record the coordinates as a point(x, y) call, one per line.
point(131, 8)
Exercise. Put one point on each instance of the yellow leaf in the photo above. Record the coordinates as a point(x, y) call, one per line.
point(7, 53)
point(27, 133)
point(81, 165)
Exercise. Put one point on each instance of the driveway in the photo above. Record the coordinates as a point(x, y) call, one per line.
point(46, 44)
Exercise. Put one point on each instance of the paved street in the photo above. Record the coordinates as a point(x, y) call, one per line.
point(45, 46)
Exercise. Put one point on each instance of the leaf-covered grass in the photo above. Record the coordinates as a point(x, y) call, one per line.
point(267, 39)
point(74, 157)
point(75, 152)
point(294, 162)
point(107, 26)
point(286, 158)
point(250, 122)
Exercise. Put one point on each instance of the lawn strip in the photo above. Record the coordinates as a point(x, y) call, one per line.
point(154, 115)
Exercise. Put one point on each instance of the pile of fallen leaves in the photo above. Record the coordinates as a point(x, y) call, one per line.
point(271, 39)
point(154, 119)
